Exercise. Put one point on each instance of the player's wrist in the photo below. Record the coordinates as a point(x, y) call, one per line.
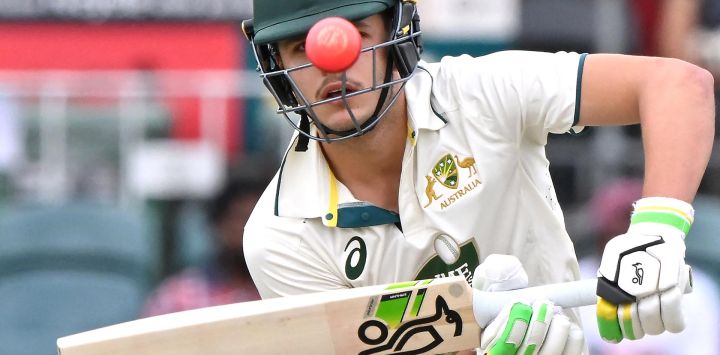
point(664, 215)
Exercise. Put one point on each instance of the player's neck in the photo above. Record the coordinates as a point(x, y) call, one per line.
point(370, 165)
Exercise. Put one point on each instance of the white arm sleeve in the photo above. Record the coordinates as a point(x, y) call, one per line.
point(279, 260)
point(282, 265)
point(521, 94)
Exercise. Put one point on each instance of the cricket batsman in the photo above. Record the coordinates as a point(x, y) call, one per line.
point(402, 169)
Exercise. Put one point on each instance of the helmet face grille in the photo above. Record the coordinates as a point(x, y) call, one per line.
point(404, 48)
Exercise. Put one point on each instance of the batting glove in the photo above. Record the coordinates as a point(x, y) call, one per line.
point(523, 327)
point(643, 275)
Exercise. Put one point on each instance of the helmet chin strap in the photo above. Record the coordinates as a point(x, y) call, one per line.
point(305, 119)
point(303, 140)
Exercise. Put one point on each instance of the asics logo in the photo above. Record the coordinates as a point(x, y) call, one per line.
point(355, 258)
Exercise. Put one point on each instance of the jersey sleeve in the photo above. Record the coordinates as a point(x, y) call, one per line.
point(280, 262)
point(522, 94)
point(281, 266)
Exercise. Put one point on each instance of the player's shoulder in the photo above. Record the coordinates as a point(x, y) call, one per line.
point(503, 61)
point(482, 79)
point(264, 212)
point(461, 80)
point(466, 73)
point(265, 225)
point(264, 207)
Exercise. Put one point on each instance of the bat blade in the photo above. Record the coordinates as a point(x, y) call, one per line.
point(429, 316)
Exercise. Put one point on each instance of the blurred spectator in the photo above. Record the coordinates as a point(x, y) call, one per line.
point(679, 21)
point(684, 29)
point(665, 27)
point(610, 210)
point(709, 37)
point(10, 133)
point(478, 20)
point(455, 27)
point(224, 277)
point(687, 30)
point(11, 142)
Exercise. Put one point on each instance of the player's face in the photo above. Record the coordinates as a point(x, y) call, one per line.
point(318, 85)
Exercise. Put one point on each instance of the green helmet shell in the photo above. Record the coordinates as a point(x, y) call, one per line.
point(275, 20)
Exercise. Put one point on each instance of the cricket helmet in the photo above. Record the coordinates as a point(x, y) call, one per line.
point(278, 20)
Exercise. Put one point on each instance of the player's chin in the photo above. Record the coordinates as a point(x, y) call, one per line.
point(337, 117)
point(342, 122)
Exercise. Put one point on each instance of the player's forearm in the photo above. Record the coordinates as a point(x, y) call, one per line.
point(677, 116)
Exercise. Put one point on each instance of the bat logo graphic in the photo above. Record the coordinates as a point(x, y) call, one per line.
point(408, 330)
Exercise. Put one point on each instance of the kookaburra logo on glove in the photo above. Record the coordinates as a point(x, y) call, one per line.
point(635, 272)
point(643, 275)
point(638, 273)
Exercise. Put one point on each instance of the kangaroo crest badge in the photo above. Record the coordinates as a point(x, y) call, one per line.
point(446, 172)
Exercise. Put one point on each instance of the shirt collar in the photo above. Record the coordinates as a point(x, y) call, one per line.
point(307, 188)
point(421, 99)
point(304, 187)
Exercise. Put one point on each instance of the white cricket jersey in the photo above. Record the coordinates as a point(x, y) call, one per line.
point(474, 182)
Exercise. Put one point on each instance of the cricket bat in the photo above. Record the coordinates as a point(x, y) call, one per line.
point(418, 317)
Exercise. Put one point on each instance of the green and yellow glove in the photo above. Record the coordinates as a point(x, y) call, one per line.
point(523, 327)
point(643, 275)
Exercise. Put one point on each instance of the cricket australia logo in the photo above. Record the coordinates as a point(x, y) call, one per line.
point(446, 172)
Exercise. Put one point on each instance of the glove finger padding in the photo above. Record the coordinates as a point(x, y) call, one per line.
point(607, 321)
point(575, 341)
point(504, 335)
point(557, 335)
point(563, 337)
point(536, 330)
point(629, 321)
point(671, 302)
point(672, 314)
point(651, 315)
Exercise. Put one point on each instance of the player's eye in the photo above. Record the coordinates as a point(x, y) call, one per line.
point(300, 47)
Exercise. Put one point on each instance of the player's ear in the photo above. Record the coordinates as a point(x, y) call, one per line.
point(275, 52)
point(396, 74)
point(278, 57)
point(406, 54)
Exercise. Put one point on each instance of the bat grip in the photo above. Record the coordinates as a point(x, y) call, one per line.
point(487, 305)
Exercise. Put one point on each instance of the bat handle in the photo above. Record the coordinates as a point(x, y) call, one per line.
point(487, 305)
point(566, 295)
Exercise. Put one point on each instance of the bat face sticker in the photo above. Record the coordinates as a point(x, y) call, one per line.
point(420, 332)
